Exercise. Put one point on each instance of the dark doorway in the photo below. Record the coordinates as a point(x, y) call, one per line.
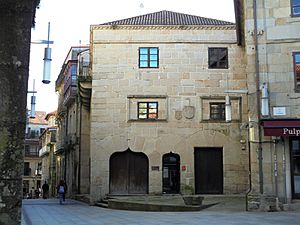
point(295, 166)
point(171, 173)
point(128, 173)
point(208, 170)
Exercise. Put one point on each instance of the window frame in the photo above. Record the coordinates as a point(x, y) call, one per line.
point(147, 109)
point(148, 58)
point(210, 54)
point(297, 86)
point(221, 111)
point(292, 9)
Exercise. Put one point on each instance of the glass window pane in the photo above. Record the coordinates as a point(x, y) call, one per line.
point(297, 58)
point(152, 105)
point(143, 64)
point(142, 116)
point(296, 147)
point(143, 105)
point(142, 110)
point(296, 2)
point(218, 58)
point(152, 115)
point(143, 51)
point(153, 57)
point(144, 57)
point(296, 11)
point(153, 64)
point(296, 163)
point(297, 184)
point(153, 51)
point(152, 110)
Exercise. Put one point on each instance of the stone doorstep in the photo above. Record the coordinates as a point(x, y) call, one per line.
point(83, 198)
point(172, 202)
point(154, 207)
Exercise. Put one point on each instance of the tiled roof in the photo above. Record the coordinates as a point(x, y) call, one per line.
point(39, 118)
point(169, 18)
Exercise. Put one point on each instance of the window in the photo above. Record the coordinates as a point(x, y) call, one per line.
point(27, 170)
point(148, 57)
point(147, 110)
point(73, 72)
point(297, 71)
point(217, 111)
point(217, 58)
point(295, 7)
point(27, 150)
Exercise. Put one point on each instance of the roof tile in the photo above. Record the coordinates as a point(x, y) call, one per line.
point(169, 18)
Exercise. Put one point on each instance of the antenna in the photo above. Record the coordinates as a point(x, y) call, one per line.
point(141, 8)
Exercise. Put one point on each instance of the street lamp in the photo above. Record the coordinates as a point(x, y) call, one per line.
point(47, 57)
point(47, 61)
point(32, 104)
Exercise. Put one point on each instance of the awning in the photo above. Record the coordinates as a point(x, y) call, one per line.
point(288, 127)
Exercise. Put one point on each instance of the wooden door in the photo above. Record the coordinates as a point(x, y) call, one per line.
point(208, 170)
point(128, 173)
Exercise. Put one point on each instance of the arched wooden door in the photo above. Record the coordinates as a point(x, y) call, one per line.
point(171, 173)
point(128, 173)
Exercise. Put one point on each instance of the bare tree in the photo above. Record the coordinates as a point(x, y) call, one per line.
point(16, 20)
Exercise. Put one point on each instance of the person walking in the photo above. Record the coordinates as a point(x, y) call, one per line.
point(45, 188)
point(62, 190)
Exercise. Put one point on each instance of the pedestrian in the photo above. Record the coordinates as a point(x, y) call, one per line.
point(45, 188)
point(62, 190)
point(37, 193)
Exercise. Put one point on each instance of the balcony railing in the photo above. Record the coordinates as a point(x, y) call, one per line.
point(43, 151)
point(31, 154)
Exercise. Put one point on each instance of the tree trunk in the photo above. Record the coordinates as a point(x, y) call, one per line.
point(16, 20)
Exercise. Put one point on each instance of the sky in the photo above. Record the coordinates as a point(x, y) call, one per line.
point(70, 22)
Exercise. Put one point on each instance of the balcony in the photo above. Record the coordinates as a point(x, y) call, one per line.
point(85, 86)
point(44, 151)
point(70, 91)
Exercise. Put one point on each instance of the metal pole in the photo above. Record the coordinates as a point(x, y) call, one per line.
point(48, 35)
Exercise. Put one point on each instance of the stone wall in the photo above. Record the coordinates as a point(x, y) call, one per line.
point(278, 37)
point(180, 83)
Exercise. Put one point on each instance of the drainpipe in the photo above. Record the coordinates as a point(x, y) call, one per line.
point(275, 168)
point(79, 147)
point(259, 148)
point(284, 171)
point(249, 161)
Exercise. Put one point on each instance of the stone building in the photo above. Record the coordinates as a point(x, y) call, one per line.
point(269, 31)
point(73, 122)
point(47, 153)
point(167, 104)
point(32, 163)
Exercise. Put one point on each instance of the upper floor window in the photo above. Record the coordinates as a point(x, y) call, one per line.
point(147, 110)
point(297, 71)
point(217, 58)
point(74, 72)
point(148, 57)
point(217, 111)
point(27, 169)
point(295, 6)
